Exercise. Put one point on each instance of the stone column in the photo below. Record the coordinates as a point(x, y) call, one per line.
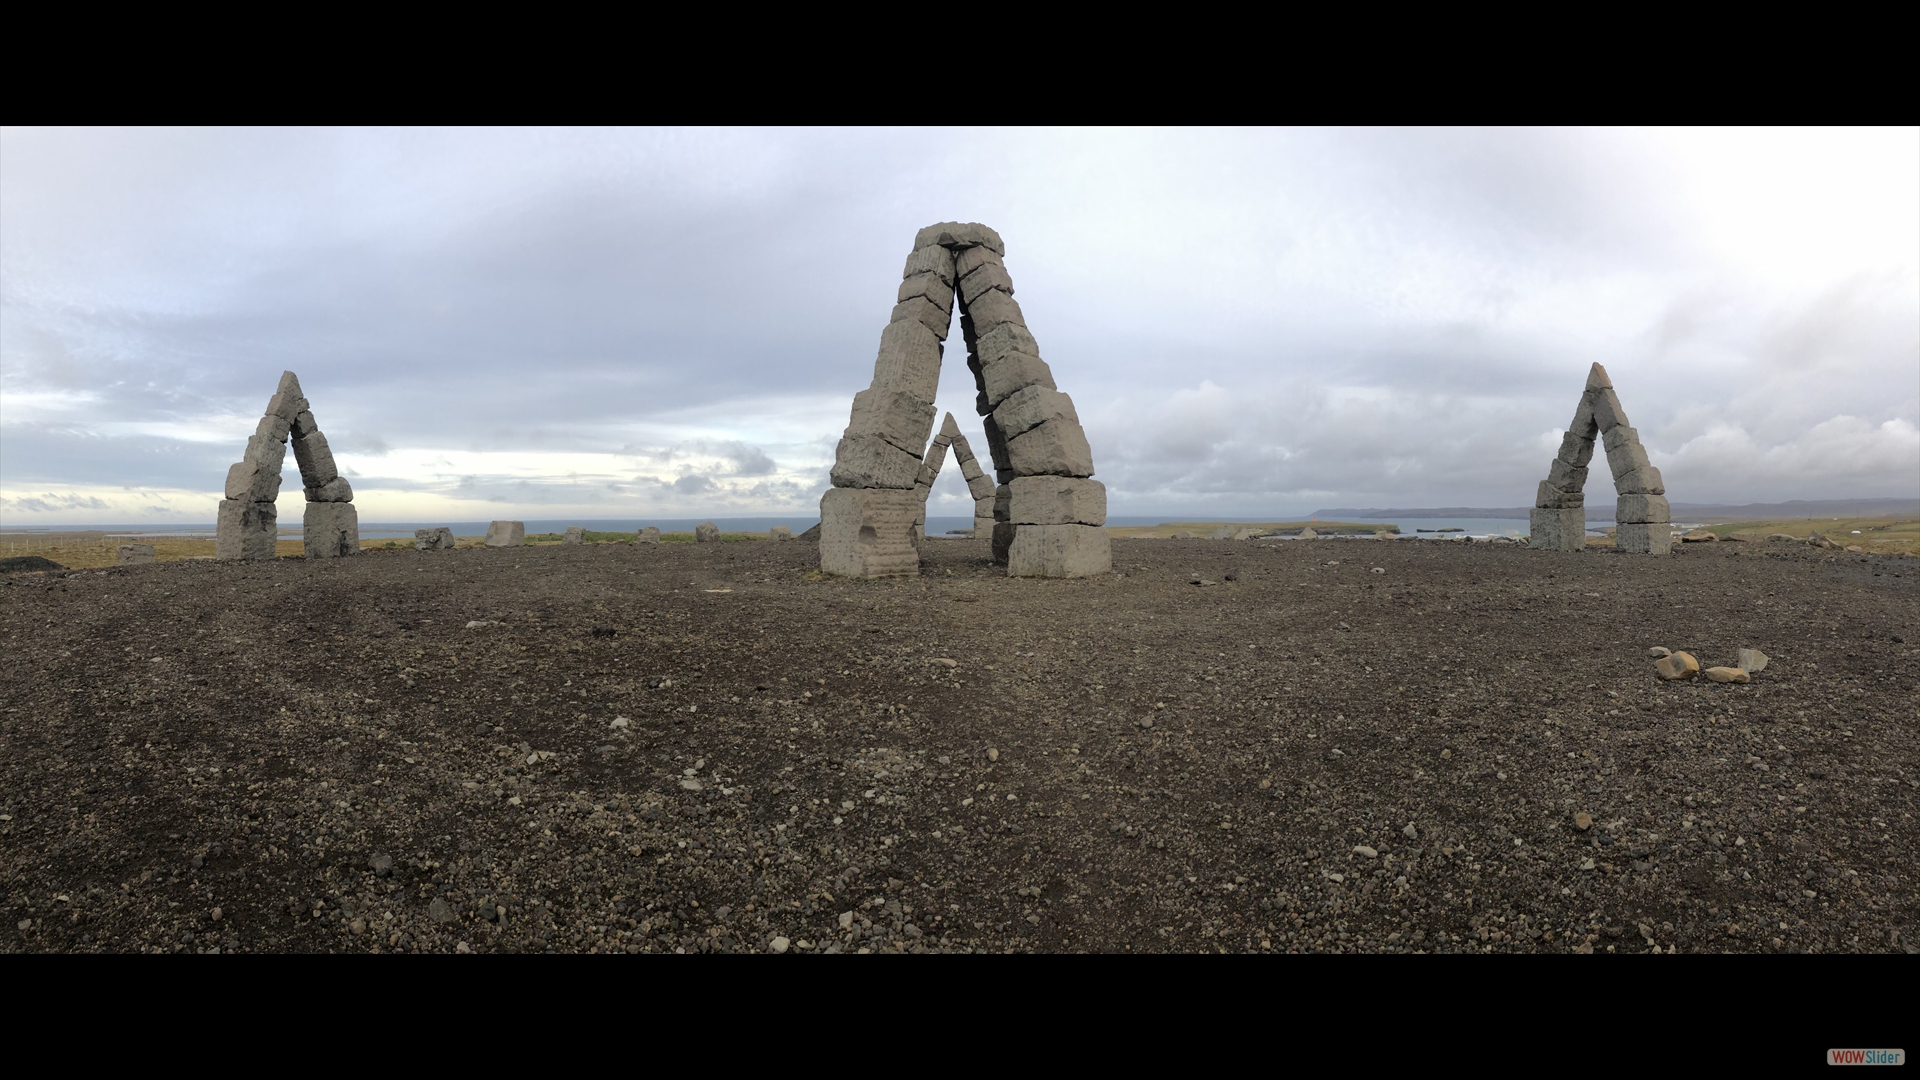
point(1641, 514)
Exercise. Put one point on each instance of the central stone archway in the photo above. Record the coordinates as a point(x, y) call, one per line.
point(248, 523)
point(1048, 511)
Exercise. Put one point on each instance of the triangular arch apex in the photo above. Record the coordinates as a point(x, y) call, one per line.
point(1641, 513)
point(1046, 511)
point(248, 522)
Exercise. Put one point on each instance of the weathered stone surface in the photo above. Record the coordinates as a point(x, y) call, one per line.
point(1003, 532)
point(1566, 477)
point(997, 449)
point(1677, 665)
point(706, 533)
point(1004, 340)
point(315, 459)
point(1619, 437)
point(1584, 425)
point(909, 359)
point(648, 535)
point(245, 530)
point(1010, 373)
point(576, 534)
point(133, 554)
point(779, 532)
point(1575, 450)
point(925, 478)
point(1003, 503)
point(1607, 413)
point(1641, 508)
point(1626, 458)
point(1028, 408)
point(980, 485)
point(1059, 551)
point(330, 530)
point(1727, 675)
point(1597, 378)
point(1752, 660)
point(994, 308)
point(303, 424)
point(439, 538)
point(1644, 481)
point(931, 259)
point(894, 415)
point(988, 275)
point(334, 490)
point(250, 481)
point(1056, 500)
point(868, 532)
point(971, 259)
point(273, 427)
point(1549, 497)
point(982, 524)
point(506, 534)
point(1055, 448)
point(1557, 530)
point(868, 461)
point(924, 311)
point(1643, 538)
point(933, 289)
point(936, 457)
point(956, 234)
point(265, 451)
point(950, 433)
point(286, 408)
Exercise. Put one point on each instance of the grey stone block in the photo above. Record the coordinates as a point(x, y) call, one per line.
point(286, 408)
point(1566, 477)
point(1552, 498)
point(1597, 378)
point(970, 259)
point(1641, 509)
point(314, 458)
point(1009, 373)
point(1643, 538)
point(924, 311)
point(925, 479)
point(894, 415)
point(931, 259)
point(1003, 503)
point(950, 431)
point(987, 276)
point(506, 534)
point(133, 554)
point(1059, 551)
point(1003, 533)
point(909, 359)
point(982, 526)
point(1618, 437)
point(1645, 481)
point(303, 424)
point(1557, 530)
point(706, 533)
point(1056, 500)
point(249, 481)
point(1628, 456)
point(994, 308)
point(245, 530)
point(1584, 425)
point(868, 533)
point(1005, 339)
point(1607, 412)
point(648, 535)
point(1055, 448)
point(936, 458)
point(1029, 407)
point(868, 461)
point(439, 538)
point(1575, 450)
point(331, 530)
point(576, 534)
point(334, 490)
point(268, 452)
point(779, 532)
point(958, 234)
point(970, 468)
point(289, 385)
point(272, 427)
point(980, 485)
point(931, 288)
point(996, 445)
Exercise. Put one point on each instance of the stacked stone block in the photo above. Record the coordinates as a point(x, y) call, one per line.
point(1641, 513)
point(247, 524)
point(1031, 428)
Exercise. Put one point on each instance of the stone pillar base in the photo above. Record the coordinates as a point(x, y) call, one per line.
point(245, 530)
point(868, 532)
point(1558, 530)
point(332, 530)
point(982, 528)
point(1002, 541)
point(1643, 538)
point(1059, 551)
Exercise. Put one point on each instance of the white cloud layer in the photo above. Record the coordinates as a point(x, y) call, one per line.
point(672, 323)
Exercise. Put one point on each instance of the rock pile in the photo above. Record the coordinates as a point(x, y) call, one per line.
point(437, 539)
point(1046, 509)
point(1641, 515)
point(248, 522)
point(1672, 665)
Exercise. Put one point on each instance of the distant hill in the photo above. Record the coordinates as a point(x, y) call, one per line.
point(1797, 508)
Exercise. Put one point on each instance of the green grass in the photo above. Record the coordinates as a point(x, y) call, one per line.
point(1876, 534)
point(1201, 528)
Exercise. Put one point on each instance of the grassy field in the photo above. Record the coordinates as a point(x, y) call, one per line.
point(1166, 529)
point(91, 550)
point(1875, 534)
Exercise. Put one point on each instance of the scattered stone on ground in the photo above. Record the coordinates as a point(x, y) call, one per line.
point(1727, 674)
point(706, 533)
point(1659, 651)
point(1752, 660)
point(1677, 665)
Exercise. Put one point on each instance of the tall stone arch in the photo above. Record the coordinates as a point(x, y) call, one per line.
point(248, 522)
point(1048, 511)
point(1641, 514)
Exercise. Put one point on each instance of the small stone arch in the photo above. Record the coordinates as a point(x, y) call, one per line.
point(248, 522)
point(1047, 510)
point(1641, 514)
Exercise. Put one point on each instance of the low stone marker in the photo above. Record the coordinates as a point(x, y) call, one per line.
point(780, 532)
point(1677, 665)
point(506, 534)
point(706, 533)
point(135, 553)
point(576, 534)
point(648, 535)
point(438, 539)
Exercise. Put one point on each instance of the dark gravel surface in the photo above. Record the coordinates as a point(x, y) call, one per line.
point(1302, 754)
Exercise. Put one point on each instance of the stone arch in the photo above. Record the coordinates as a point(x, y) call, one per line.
point(1641, 513)
point(1048, 511)
point(248, 522)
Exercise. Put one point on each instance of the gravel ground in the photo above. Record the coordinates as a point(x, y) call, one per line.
point(1352, 746)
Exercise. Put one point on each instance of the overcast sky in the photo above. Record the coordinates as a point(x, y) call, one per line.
point(602, 324)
